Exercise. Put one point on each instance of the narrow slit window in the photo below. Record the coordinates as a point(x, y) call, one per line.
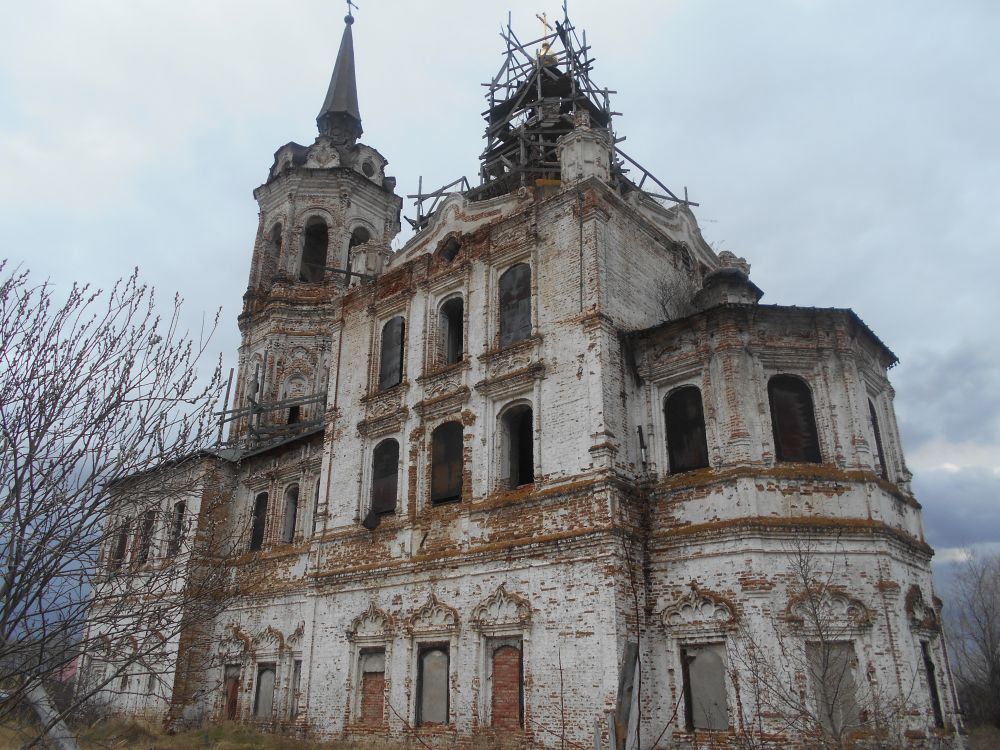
point(793, 420)
point(932, 685)
point(120, 545)
point(515, 304)
point(259, 522)
point(146, 536)
point(372, 687)
point(293, 706)
point(873, 415)
point(687, 448)
point(432, 685)
point(176, 528)
point(451, 331)
point(275, 243)
point(385, 470)
point(704, 674)
point(314, 250)
point(231, 692)
point(291, 514)
point(518, 434)
point(263, 702)
point(446, 463)
point(507, 710)
point(390, 367)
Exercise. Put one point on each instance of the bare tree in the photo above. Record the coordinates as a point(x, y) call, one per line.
point(975, 636)
point(96, 391)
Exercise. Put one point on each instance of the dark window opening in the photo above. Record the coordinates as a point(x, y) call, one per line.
point(231, 692)
point(390, 366)
point(314, 251)
point(793, 420)
point(120, 545)
point(275, 244)
point(687, 448)
point(515, 304)
point(432, 685)
point(450, 249)
point(291, 514)
point(372, 687)
point(315, 519)
point(831, 670)
point(359, 236)
point(704, 674)
point(146, 536)
point(176, 529)
point(507, 710)
point(293, 708)
point(446, 463)
point(932, 686)
point(519, 433)
point(123, 686)
point(451, 330)
point(264, 697)
point(878, 441)
point(259, 522)
point(294, 414)
point(385, 468)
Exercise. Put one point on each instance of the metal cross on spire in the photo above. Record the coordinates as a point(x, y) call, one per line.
point(349, 6)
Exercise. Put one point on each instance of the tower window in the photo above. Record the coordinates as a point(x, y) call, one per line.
point(515, 304)
point(450, 249)
point(704, 673)
point(432, 685)
point(314, 251)
point(451, 321)
point(518, 438)
point(259, 522)
point(146, 536)
point(275, 243)
point(446, 463)
point(176, 528)
point(878, 440)
point(685, 419)
point(390, 366)
point(120, 545)
point(793, 420)
point(291, 513)
point(925, 651)
point(385, 468)
point(831, 670)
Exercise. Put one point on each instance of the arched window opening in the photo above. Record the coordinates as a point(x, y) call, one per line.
point(703, 671)
point(515, 304)
point(446, 463)
point(432, 685)
point(359, 236)
point(519, 444)
point(687, 448)
point(314, 251)
point(146, 536)
point(176, 528)
point(259, 522)
point(882, 472)
point(275, 242)
point(793, 420)
point(390, 366)
point(385, 468)
point(450, 249)
point(291, 513)
point(451, 332)
point(120, 546)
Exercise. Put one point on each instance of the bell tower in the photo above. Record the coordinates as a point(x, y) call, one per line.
point(328, 214)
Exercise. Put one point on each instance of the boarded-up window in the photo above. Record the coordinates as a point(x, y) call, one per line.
point(873, 415)
point(314, 251)
point(432, 685)
point(515, 304)
point(372, 687)
point(687, 448)
point(507, 688)
point(451, 321)
point(293, 705)
point(385, 469)
point(390, 364)
point(145, 536)
point(120, 545)
point(258, 522)
point(704, 674)
point(231, 692)
point(518, 435)
point(176, 528)
point(264, 696)
point(831, 672)
point(291, 513)
point(446, 463)
point(793, 420)
point(932, 685)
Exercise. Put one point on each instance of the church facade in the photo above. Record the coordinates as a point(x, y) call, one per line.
point(550, 472)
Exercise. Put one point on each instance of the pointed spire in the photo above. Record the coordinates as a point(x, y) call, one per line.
point(340, 117)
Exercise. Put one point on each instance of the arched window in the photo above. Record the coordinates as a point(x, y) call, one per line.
point(507, 687)
point(446, 463)
point(146, 536)
point(291, 513)
point(450, 249)
point(120, 546)
point(518, 449)
point(450, 330)
point(274, 246)
point(432, 685)
point(515, 304)
point(793, 420)
point(687, 448)
point(882, 472)
point(259, 522)
point(314, 250)
point(176, 528)
point(390, 364)
point(385, 468)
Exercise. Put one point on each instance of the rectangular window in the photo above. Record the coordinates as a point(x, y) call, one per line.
point(390, 368)
point(506, 682)
point(293, 707)
point(831, 671)
point(176, 529)
point(446, 463)
point(145, 536)
point(372, 668)
point(231, 692)
point(932, 687)
point(432, 684)
point(703, 670)
point(264, 696)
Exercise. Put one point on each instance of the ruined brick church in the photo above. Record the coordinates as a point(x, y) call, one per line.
point(549, 474)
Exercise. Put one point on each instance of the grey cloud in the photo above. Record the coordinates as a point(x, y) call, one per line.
point(960, 508)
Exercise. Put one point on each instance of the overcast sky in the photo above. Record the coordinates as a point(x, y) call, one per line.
point(849, 150)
